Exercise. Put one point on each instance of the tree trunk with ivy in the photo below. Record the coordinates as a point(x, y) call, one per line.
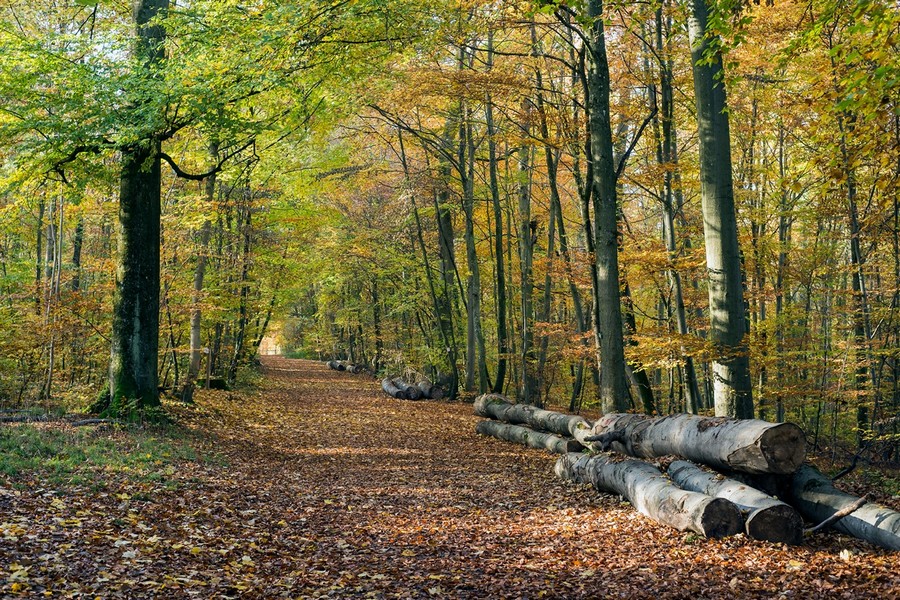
point(135, 326)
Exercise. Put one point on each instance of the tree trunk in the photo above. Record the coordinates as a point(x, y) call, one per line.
point(731, 366)
point(748, 445)
point(527, 238)
point(135, 323)
point(667, 155)
point(527, 437)
point(502, 334)
point(652, 494)
point(196, 350)
point(765, 518)
point(817, 499)
point(613, 383)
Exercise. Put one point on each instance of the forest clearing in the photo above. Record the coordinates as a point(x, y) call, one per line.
point(317, 484)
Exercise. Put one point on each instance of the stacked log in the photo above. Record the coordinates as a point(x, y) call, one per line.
point(343, 365)
point(652, 494)
point(397, 388)
point(747, 445)
point(765, 517)
point(528, 437)
point(500, 408)
point(818, 500)
point(692, 498)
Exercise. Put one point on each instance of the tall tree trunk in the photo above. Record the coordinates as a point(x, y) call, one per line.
point(77, 243)
point(613, 383)
point(502, 333)
point(196, 349)
point(135, 326)
point(731, 366)
point(527, 237)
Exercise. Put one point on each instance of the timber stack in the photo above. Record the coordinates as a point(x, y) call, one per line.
point(715, 490)
point(344, 365)
point(396, 387)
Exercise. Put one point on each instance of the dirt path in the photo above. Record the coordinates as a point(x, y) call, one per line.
point(330, 489)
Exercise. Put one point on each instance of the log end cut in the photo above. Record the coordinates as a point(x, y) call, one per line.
point(721, 518)
point(779, 523)
point(784, 448)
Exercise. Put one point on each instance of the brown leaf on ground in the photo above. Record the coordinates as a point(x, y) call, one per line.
point(330, 489)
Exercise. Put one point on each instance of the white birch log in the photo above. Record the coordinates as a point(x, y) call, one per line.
point(747, 445)
point(527, 437)
point(817, 499)
point(765, 517)
point(652, 494)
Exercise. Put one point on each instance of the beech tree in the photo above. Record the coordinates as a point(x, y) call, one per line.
point(731, 364)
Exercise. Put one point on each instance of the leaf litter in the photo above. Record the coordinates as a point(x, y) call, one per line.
point(326, 488)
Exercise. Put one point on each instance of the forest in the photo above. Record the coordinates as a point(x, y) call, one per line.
point(655, 207)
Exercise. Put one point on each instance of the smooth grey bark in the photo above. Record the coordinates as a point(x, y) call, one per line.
point(817, 499)
point(613, 383)
point(652, 494)
point(765, 517)
point(667, 155)
point(746, 445)
point(732, 387)
point(527, 437)
point(496, 406)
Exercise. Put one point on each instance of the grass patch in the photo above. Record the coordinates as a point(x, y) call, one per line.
point(90, 455)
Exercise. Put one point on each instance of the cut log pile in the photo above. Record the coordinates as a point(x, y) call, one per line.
point(692, 496)
point(345, 365)
point(424, 390)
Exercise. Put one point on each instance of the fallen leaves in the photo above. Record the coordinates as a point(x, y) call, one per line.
point(328, 489)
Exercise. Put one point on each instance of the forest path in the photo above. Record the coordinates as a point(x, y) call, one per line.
point(326, 487)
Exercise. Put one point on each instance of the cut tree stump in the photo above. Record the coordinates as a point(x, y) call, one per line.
point(499, 407)
point(652, 494)
point(747, 445)
point(765, 517)
point(528, 437)
point(817, 500)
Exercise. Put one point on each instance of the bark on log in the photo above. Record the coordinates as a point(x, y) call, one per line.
point(817, 500)
point(387, 384)
point(499, 407)
point(765, 517)
point(429, 390)
point(652, 494)
point(527, 437)
point(747, 445)
point(410, 392)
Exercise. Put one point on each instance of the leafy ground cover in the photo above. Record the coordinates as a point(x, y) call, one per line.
point(316, 485)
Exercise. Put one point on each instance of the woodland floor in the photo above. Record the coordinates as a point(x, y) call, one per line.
point(321, 486)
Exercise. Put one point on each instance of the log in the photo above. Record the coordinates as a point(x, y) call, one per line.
point(527, 437)
point(332, 364)
point(747, 445)
point(410, 392)
point(429, 390)
point(652, 494)
point(499, 407)
point(387, 384)
point(817, 500)
point(765, 518)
